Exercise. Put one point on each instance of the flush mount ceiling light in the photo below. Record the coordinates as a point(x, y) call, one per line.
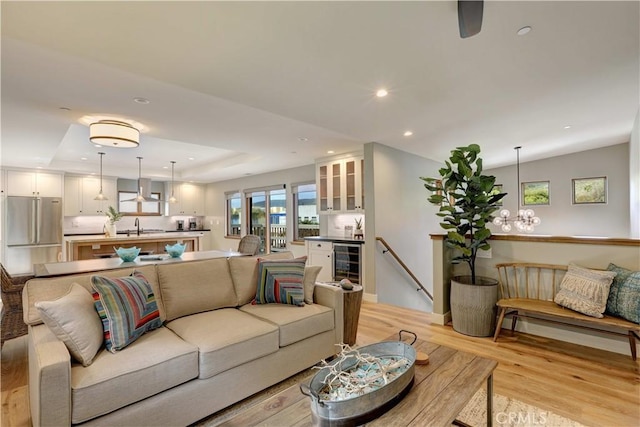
point(100, 195)
point(408, 133)
point(114, 133)
point(381, 93)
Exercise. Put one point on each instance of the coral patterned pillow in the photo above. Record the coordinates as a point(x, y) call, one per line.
point(281, 282)
point(127, 308)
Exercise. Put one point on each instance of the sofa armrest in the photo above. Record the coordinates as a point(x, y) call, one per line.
point(331, 296)
point(49, 378)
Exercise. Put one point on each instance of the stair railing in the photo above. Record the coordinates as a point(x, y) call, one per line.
point(404, 266)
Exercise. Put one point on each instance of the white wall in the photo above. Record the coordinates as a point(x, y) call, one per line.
point(561, 217)
point(404, 218)
point(634, 178)
point(215, 203)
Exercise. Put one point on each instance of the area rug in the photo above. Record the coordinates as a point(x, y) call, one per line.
point(507, 412)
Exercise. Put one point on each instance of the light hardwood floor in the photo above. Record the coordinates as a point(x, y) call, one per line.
point(594, 387)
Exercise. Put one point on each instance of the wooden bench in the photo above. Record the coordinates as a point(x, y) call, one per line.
point(527, 290)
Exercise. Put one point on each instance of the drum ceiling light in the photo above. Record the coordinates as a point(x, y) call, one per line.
point(114, 133)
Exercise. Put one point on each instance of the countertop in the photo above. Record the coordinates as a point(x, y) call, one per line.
point(89, 265)
point(124, 237)
point(335, 239)
point(133, 233)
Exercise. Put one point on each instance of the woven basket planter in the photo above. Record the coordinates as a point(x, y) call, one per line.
point(473, 306)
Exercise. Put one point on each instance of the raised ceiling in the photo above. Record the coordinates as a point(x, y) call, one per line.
point(251, 87)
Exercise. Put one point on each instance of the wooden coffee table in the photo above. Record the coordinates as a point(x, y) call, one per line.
point(441, 390)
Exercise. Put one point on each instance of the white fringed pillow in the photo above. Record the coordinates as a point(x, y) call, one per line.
point(584, 290)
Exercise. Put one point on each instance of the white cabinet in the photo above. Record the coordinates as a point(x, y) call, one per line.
point(339, 184)
point(22, 183)
point(80, 193)
point(321, 253)
point(190, 199)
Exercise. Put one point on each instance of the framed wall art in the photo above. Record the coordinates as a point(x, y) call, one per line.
point(589, 190)
point(497, 189)
point(535, 193)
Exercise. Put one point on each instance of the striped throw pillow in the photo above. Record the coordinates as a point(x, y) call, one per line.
point(281, 282)
point(127, 307)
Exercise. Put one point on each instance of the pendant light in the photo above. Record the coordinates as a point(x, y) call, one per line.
point(172, 199)
point(526, 219)
point(100, 195)
point(140, 196)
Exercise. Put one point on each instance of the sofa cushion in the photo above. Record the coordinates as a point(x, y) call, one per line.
point(74, 320)
point(280, 281)
point(157, 361)
point(50, 288)
point(194, 287)
point(226, 338)
point(624, 295)
point(244, 272)
point(127, 307)
point(309, 281)
point(584, 290)
point(295, 323)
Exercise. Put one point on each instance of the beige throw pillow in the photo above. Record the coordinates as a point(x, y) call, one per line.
point(75, 321)
point(309, 281)
point(585, 290)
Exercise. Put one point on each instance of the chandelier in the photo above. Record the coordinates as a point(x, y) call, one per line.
point(526, 219)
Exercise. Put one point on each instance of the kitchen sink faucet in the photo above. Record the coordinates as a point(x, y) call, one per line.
point(137, 224)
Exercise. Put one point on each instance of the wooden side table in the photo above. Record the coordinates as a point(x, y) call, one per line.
point(352, 301)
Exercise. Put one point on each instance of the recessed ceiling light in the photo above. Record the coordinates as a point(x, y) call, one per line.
point(165, 167)
point(96, 145)
point(381, 93)
point(408, 133)
point(83, 158)
point(141, 100)
point(567, 127)
point(303, 139)
point(38, 167)
point(191, 158)
point(524, 30)
point(330, 152)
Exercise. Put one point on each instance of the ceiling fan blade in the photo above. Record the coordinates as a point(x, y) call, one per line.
point(470, 17)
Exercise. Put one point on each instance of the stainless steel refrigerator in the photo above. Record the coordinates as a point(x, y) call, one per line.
point(34, 221)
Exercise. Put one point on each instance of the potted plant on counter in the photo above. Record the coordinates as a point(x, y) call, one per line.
point(113, 216)
point(466, 204)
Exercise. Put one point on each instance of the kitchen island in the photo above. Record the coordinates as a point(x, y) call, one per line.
point(93, 247)
point(90, 265)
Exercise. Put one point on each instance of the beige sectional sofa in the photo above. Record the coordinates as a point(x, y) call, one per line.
point(213, 349)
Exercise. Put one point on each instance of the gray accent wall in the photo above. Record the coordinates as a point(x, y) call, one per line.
point(561, 217)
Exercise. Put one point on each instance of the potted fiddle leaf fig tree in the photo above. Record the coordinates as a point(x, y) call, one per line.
point(467, 203)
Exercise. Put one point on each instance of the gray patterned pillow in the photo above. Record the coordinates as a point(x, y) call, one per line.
point(624, 296)
point(585, 290)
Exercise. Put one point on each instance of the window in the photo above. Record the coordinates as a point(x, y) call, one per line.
point(234, 213)
point(132, 208)
point(305, 207)
point(267, 217)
